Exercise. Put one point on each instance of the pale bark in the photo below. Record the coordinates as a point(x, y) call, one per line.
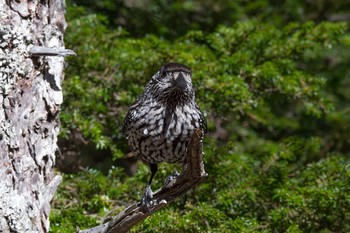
point(30, 99)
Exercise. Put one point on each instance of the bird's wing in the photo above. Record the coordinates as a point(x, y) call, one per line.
point(202, 120)
point(130, 118)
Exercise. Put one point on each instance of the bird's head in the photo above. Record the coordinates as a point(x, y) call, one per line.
point(172, 84)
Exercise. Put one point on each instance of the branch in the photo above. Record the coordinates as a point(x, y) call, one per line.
point(191, 176)
point(45, 51)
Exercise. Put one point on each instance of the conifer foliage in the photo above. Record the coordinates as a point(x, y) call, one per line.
point(275, 95)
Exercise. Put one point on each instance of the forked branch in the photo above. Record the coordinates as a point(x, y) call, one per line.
point(191, 176)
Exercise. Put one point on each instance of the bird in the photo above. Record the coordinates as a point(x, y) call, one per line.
point(160, 124)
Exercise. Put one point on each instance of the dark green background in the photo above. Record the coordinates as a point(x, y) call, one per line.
point(273, 79)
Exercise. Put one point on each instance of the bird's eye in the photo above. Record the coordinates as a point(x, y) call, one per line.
point(163, 73)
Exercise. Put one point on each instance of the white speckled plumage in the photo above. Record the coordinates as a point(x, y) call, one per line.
point(160, 124)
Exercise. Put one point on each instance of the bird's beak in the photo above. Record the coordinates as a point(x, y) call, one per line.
point(180, 81)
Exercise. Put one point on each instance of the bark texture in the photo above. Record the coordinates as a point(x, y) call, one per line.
point(30, 99)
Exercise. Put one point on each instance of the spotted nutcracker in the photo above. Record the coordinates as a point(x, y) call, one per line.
point(159, 125)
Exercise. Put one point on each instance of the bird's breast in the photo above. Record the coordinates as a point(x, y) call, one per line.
point(161, 134)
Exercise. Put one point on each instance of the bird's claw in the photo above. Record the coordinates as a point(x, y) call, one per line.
point(146, 202)
point(171, 178)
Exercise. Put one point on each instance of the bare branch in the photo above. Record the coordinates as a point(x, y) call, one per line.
point(45, 51)
point(191, 176)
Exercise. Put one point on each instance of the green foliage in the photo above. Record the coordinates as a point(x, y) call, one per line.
point(275, 92)
point(249, 69)
point(269, 195)
point(171, 19)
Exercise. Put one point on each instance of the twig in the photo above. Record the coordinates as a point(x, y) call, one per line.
point(45, 51)
point(191, 176)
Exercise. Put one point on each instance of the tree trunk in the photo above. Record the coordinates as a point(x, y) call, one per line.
point(30, 99)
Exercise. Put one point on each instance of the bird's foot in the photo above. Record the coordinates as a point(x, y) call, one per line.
point(146, 202)
point(171, 178)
